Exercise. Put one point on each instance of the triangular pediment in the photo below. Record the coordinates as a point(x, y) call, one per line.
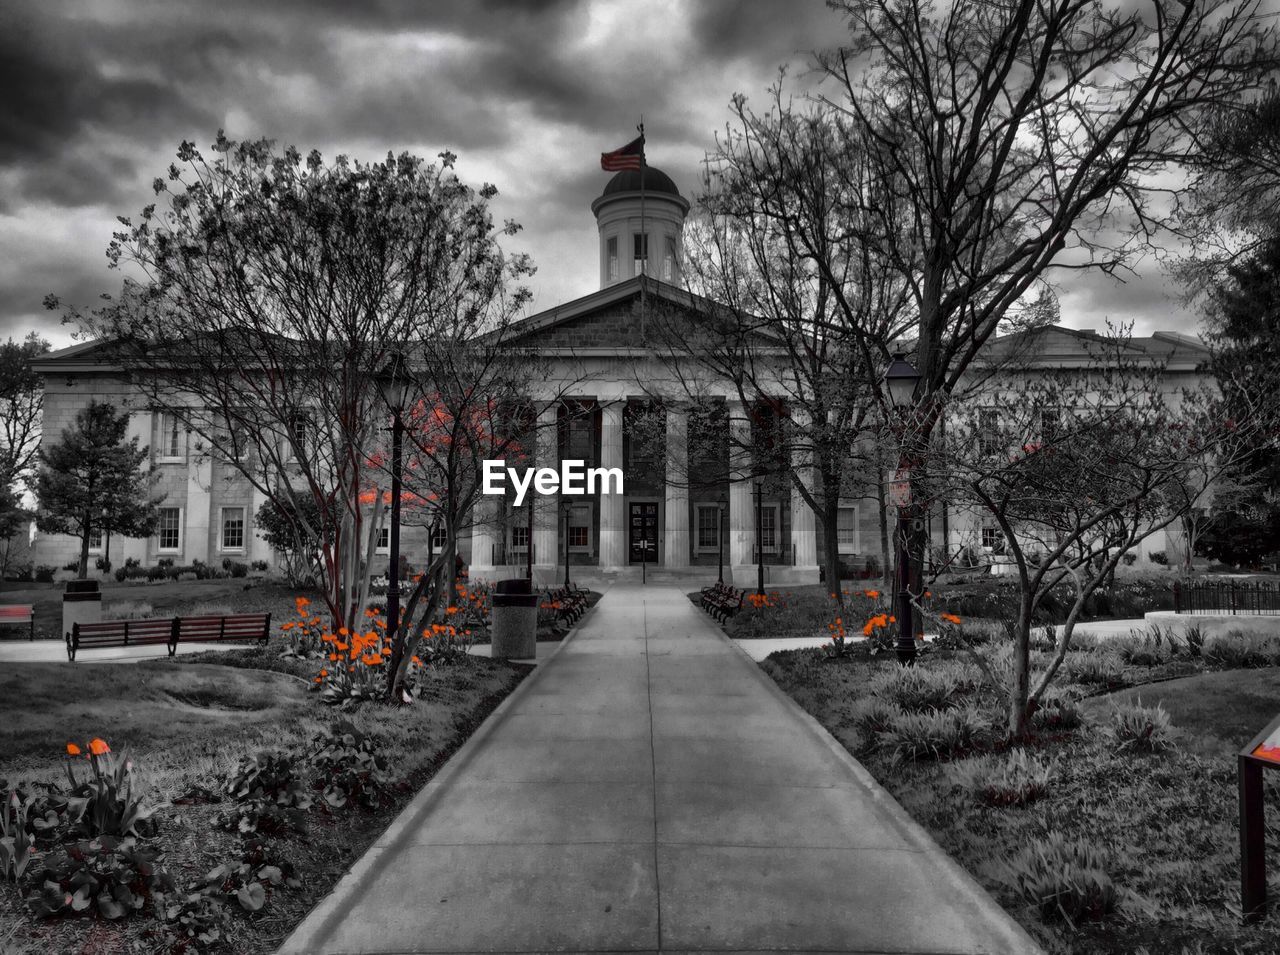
point(622, 318)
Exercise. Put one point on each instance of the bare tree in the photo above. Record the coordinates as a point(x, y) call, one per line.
point(1024, 139)
point(1080, 467)
point(21, 407)
point(272, 287)
point(804, 309)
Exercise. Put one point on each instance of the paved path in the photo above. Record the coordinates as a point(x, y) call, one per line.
point(55, 651)
point(649, 789)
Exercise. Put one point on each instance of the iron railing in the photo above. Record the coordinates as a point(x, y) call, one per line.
point(1235, 597)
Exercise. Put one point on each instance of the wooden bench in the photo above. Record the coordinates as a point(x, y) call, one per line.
point(570, 603)
point(18, 615)
point(722, 601)
point(167, 631)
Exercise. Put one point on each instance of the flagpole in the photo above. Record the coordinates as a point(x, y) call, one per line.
point(644, 236)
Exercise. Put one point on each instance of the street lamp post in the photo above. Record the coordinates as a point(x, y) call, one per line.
point(759, 492)
point(392, 384)
point(901, 380)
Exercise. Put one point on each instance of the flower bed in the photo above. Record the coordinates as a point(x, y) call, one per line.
point(230, 802)
point(1113, 830)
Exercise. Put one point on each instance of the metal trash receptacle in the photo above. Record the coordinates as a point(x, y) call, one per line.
point(514, 632)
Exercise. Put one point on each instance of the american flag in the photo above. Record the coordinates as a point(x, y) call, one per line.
point(630, 156)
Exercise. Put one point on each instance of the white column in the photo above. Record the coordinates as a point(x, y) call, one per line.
point(804, 538)
point(675, 537)
point(613, 515)
point(484, 535)
point(259, 549)
point(742, 515)
point(139, 427)
point(545, 512)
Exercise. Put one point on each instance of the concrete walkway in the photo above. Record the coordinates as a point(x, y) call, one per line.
point(55, 651)
point(649, 789)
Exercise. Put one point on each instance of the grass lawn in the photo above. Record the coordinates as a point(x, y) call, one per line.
point(1163, 822)
point(184, 724)
point(159, 599)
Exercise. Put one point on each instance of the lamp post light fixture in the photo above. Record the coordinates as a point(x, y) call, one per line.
point(901, 381)
point(758, 488)
point(393, 386)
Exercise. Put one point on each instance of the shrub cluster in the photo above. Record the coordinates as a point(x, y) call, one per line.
point(1013, 780)
point(1139, 728)
point(1063, 880)
point(165, 569)
point(1237, 649)
point(933, 734)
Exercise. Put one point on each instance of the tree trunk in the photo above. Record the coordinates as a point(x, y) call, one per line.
point(831, 548)
point(1021, 689)
point(886, 562)
point(84, 548)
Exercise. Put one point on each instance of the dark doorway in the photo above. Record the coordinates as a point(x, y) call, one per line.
point(643, 535)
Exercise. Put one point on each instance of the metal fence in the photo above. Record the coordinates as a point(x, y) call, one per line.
point(1237, 597)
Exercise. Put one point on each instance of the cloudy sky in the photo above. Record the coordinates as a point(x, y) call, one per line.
point(99, 93)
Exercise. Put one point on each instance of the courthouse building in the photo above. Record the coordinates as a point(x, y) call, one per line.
point(602, 376)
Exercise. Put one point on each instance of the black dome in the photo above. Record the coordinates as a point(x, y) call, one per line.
point(655, 180)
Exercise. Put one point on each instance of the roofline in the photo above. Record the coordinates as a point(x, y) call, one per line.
point(649, 195)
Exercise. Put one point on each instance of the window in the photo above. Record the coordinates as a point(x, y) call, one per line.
point(670, 268)
point(299, 436)
point(640, 245)
point(519, 536)
point(991, 537)
point(708, 528)
point(1050, 420)
point(169, 435)
point(612, 257)
point(169, 530)
point(580, 527)
point(439, 537)
point(233, 528)
point(95, 540)
point(847, 530)
point(580, 435)
point(989, 440)
point(384, 540)
point(235, 441)
point(769, 528)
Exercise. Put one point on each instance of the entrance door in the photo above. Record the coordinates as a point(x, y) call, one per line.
point(643, 535)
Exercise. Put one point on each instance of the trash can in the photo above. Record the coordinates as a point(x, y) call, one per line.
point(81, 603)
point(514, 634)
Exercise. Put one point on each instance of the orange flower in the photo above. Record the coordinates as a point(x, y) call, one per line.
point(450, 610)
point(417, 661)
point(324, 672)
point(318, 679)
point(73, 749)
point(98, 747)
point(950, 618)
point(343, 632)
point(332, 657)
point(873, 594)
